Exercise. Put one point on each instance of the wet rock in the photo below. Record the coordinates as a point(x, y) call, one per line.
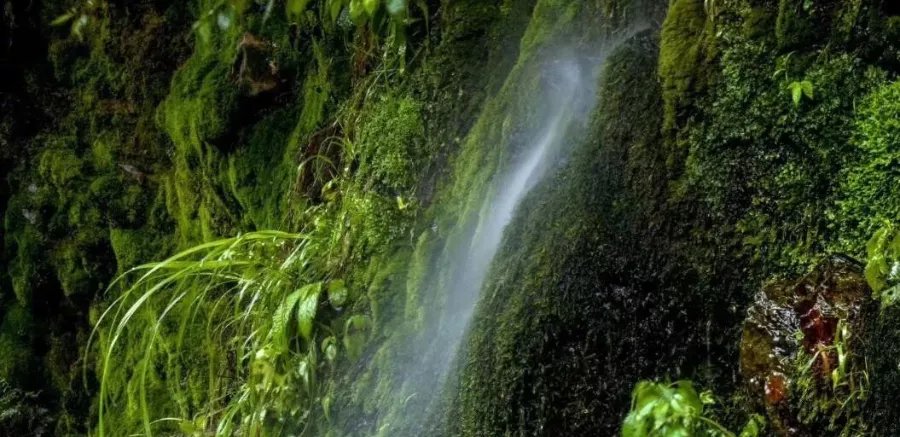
point(254, 69)
point(797, 348)
point(133, 171)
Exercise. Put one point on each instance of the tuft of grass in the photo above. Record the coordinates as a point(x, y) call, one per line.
point(833, 385)
point(228, 337)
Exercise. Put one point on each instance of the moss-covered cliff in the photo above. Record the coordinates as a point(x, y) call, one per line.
point(640, 258)
point(735, 141)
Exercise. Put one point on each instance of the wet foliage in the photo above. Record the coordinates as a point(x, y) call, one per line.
point(737, 145)
point(676, 409)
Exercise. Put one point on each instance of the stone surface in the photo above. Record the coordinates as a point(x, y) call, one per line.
point(791, 321)
point(254, 69)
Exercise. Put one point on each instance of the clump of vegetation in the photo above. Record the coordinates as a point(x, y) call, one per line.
point(867, 191)
point(229, 337)
point(677, 410)
point(80, 16)
point(832, 385)
point(883, 264)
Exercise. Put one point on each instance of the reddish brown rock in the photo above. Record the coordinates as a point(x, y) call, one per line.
point(791, 321)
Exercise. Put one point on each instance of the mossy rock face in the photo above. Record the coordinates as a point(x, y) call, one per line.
point(172, 122)
point(557, 317)
point(17, 335)
point(800, 356)
point(872, 176)
point(683, 68)
point(810, 24)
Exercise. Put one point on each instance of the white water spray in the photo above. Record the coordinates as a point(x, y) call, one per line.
point(567, 96)
point(470, 267)
point(568, 93)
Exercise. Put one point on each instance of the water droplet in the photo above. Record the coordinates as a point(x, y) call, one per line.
point(223, 20)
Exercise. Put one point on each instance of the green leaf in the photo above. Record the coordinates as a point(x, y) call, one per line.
point(326, 407)
point(63, 19)
point(634, 426)
point(796, 93)
point(187, 427)
point(371, 6)
point(281, 318)
point(402, 204)
point(306, 310)
point(329, 348)
point(807, 88)
point(879, 253)
point(676, 409)
point(296, 7)
point(357, 12)
point(754, 426)
point(890, 296)
point(355, 333)
point(800, 89)
point(334, 8)
point(78, 25)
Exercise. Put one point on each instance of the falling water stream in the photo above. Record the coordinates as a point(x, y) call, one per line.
point(470, 266)
point(566, 98)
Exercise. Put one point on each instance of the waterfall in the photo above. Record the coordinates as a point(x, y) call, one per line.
point(564, 100)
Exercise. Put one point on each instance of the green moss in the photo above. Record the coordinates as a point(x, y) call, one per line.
point(867, 195)
point(846, 18)
point(72, 267)
point(26, 266)
point(60, 166)
point(683, 69)
point(535, 308)
point(794, 26)
point(133, 162)
point(200, 84)
point(377, 220)
point(17, 332)
point(759, 22)
point(133, 247)
point(390, 145)
point(316, 92)
point(258, 177)
point(421, 264)
point(805, 25)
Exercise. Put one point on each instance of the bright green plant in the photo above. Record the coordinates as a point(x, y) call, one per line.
point(800, 89)
point(231, 337)
point(838, 401)
point(387, 18)
point(360, 11)
point(79, 17)
point(676, 410)
point(883, 264)
point(712, 8)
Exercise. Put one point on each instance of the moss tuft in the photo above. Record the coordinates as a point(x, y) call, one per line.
point(17, 333)
point(683, 69)
point(867, 195)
